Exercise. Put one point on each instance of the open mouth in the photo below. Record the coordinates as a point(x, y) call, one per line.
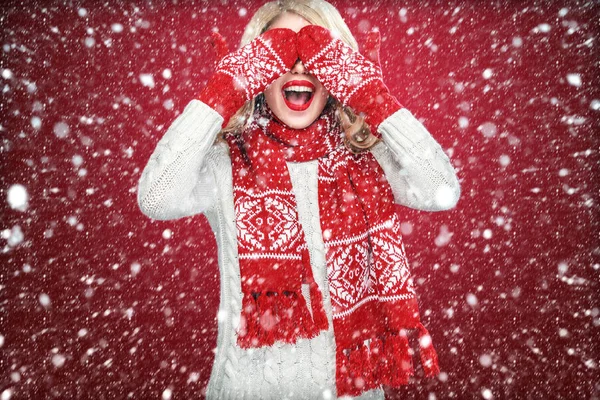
point(298, 94)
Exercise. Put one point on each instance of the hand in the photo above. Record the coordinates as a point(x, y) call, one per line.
point(245, 73)
point(348, 75)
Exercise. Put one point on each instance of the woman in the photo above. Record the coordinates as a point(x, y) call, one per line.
point(296, 153)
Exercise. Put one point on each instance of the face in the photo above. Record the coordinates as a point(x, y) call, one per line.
point(297, 98)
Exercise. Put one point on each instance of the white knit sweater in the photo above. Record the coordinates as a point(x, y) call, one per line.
point(189, 174)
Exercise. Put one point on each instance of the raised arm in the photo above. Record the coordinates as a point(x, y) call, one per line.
point(176, 182)
point(418, 170)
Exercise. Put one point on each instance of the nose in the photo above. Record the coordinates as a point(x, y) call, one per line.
point(298, 68)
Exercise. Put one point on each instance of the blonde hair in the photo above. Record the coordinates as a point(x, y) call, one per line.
point(316, 12)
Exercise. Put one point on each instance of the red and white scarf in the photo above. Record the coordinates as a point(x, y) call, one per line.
point(372, 294)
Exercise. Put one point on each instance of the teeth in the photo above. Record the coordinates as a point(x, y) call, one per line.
point(298, 89)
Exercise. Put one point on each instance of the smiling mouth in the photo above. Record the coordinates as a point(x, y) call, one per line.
point(298, 94)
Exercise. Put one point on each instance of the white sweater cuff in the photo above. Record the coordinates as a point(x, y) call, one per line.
point(402, 131)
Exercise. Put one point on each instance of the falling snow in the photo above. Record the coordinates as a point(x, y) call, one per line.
point(61, 129)
point(18, 197)
point(574, 79)
point(147, 80)
point(98, 301)
point(488, 129)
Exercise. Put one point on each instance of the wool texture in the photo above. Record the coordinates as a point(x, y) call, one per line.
point(371, 290)
point(245, 73)
point(353, 79)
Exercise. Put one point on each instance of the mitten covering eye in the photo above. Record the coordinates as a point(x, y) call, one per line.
point(348, 75)
point(242, 75)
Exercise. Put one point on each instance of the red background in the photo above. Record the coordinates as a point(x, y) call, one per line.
point(510, 297)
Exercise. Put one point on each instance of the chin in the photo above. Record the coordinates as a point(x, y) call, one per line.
point(298, 119)
point(299, 122)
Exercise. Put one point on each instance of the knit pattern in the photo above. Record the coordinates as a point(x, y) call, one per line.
point(397, 284)
point(255, 65)
point(274, 258)
point(416, 166)
point(343, 71)
point(162, 193)
point(284, 233)
point(349, 76)
point(245, 73)
point(352, 288)
point(417, 169)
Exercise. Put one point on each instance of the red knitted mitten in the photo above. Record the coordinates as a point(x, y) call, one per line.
point(219, 44)
point(245, 73)
point(348, 75)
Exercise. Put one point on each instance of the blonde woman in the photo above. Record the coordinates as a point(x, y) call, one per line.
point(297, 153)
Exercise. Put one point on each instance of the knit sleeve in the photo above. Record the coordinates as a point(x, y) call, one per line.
point(177, 181)
point(418, 170)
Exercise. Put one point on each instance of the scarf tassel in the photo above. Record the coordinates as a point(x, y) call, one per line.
point(399, 361)
point(357, 371)
point(273, 316)
point(383, 361)
point(316, 304)
point(429, 358)
point(343, 377)
point(316, 298)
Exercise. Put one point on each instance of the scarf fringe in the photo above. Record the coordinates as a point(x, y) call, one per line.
point(384, 361)
point(318, 311)
point(316, 298)
point(268, 317)
point(429, 358)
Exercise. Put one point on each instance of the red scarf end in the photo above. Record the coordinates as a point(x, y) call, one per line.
point(318, 311)
point(385, 361)
point(429, 358)
point(268, 317)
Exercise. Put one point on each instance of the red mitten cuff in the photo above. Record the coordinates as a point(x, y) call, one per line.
point(219, 95)
point(348, 75)
point(245, 73)
point(378, 104)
